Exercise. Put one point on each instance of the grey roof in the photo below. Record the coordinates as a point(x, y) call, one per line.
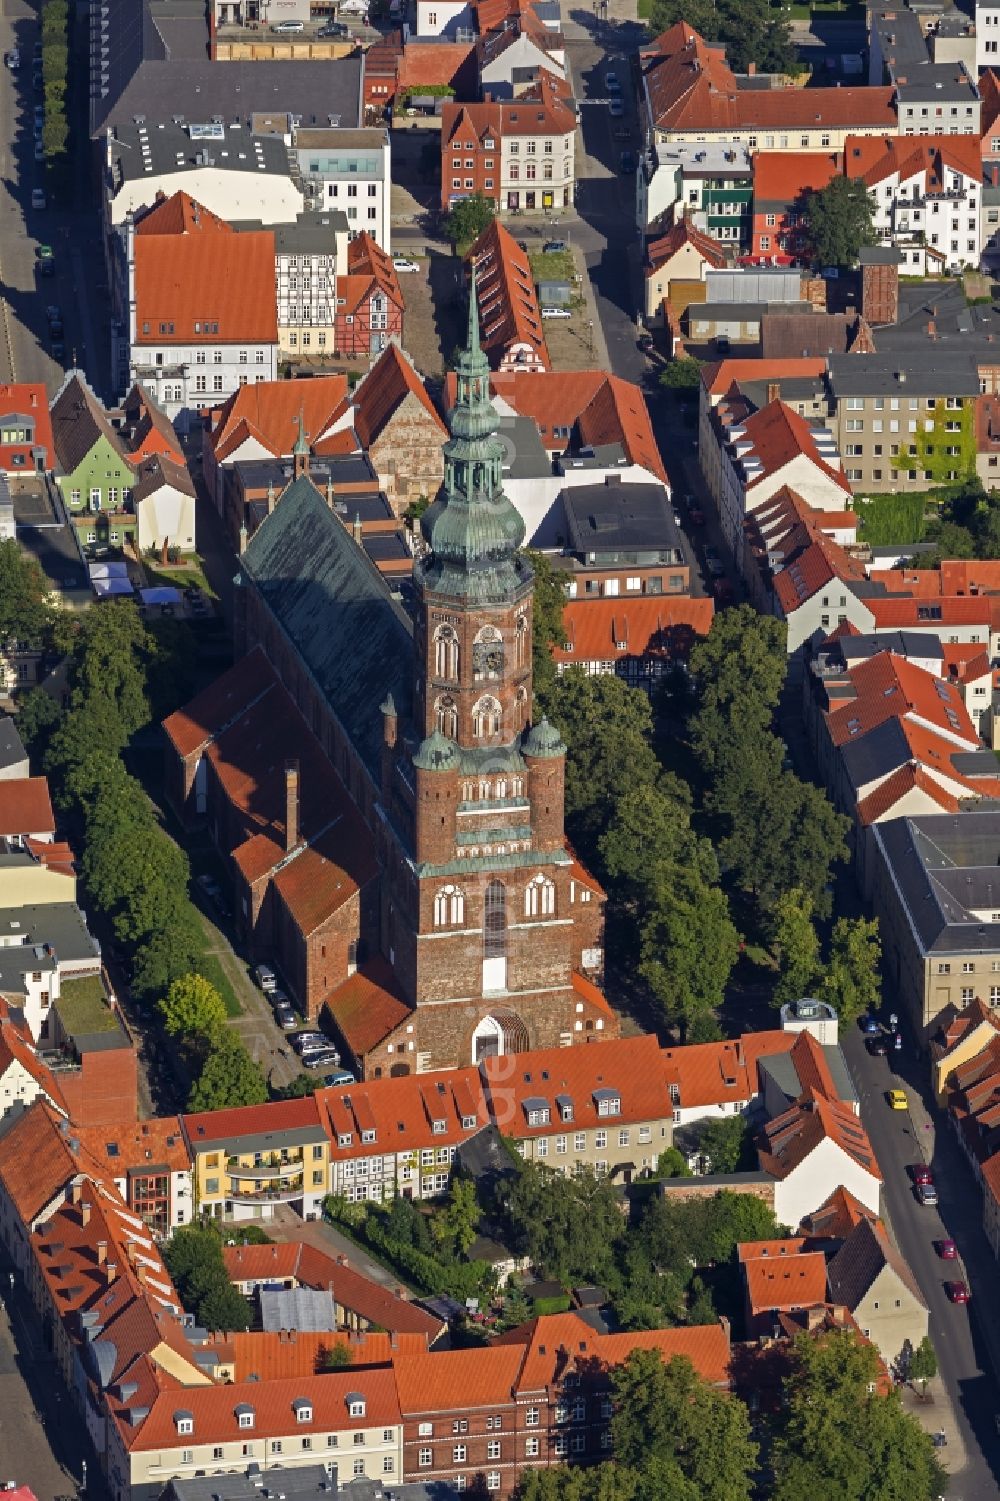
point(58, 925)
point(742, 312)
point(946, 868)
point(901, 39)
point(12, 751)
point(142, 76)
point(904, 643)
point(171, 149)
point(781, 1068)
point(308, 1483)
point(308, 1309)
point(876, 754)
point(485, 1157)
point(525, 456)
point(880, 255)
point(865, 1253)
point(343, 469)
point(949, 373)
point(313, 232)
point(157, 471)
point(937, 83)
point(336, 609)
point(614, 518)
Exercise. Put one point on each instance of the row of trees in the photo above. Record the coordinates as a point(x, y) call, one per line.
point(752, 31)
point(830, 1433)
point(55, 76)
point(193, 1257)
point(194, 1014)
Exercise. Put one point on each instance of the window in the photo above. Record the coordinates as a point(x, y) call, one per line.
point(560, 1146)
point(531, 1418)
point(539, 897)
point(968, 994)
point(185, 1425)
point(486, 717)
point(623, 1137)
point(424, 1458)
point(217, 1452)
point(492, 1480)
point(493, 1449)
point(458, 1454)
point(531, 1447)
point(358, 1468)
point(388, 1464)
point(944, 969)
point(449, 907)
point(600, 1140)
point(968, 967)
point(580, 1141)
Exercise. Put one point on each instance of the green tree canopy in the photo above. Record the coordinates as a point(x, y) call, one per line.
point(38, 714)
point(228, 1078)
point(728, 1144)
point(688, 948)
point(796, 944)
point(568, 1226)
point(923, 1363)
point(683, 374)
point(750, 30)
point(740, 669)
point(193, 1009)
point(25, 611)
point(839, 221)
point(546, 630)
point(839, 1439)
point(193, 1257)
point(666, 1415)
point(851, 982)
point(468, 218)
point(456, 1225)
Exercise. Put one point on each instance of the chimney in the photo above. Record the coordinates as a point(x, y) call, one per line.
point(329, 491)
point(111, 1271)
point(270, 498)
point(102, 1252)
point(931, 329)
point(291, 805)
point(85, 1212)
point(773, 391)
point(751, 70)
point(357, 528)
point(33, 399)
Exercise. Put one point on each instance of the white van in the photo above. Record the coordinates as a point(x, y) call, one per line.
point(287, 27)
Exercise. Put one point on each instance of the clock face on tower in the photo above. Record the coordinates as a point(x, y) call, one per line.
point(487, 655)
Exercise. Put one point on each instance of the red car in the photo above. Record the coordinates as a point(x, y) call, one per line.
point(957, 1292)
point(921, 1173)
point(947, 1250)
point(723, 591)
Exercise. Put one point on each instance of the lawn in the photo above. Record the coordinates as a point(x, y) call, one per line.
point(644, 9)
point(83, 1007)
point(558, 265)
point(891, 520)
point(180, 576)
point(210, 966)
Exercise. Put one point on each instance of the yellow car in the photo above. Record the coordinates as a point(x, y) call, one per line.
point(897, 1099)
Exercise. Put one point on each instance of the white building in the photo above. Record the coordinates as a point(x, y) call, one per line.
point(348, 170)
point(927, 197)
point(987, 36)
point(709, 182)
point(813, 1149)
point(451, 20)
point(308, 257)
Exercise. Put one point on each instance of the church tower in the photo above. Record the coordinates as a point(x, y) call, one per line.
point(481, 926)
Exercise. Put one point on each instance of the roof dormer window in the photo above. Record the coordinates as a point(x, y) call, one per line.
point(468, 1122)
point(439, 1127)
point(565, 1105)
point(355, 1405)
point(183, 1422)
point(345, 1138)
point(608, 1101)
point(302, 1409)
point(367, 1137)
point(244, 1416)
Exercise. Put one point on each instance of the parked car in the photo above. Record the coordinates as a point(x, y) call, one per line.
point(611, 83)
point(927, 1195)
point(897, 1099)
point(38, 199)
point(278, 997)
point(554, 247)
point(877, 1047)
point(616, 108)
point(645, 343)
point(957, 1292)
point(335, 28)
point(265, 977)
point(869, 1026)
point(556, 312)
point(288, 28)
point(322, 1058)
point(304, 1041)
point(714, 563)
point(342, 1076)
point(13, 59)
point(626, 162)
point(285, 1017)
point(947, 1250)
point(39, 115)
point(921, 1173)
point(402, 263)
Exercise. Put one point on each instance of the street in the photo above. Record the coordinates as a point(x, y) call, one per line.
point(70, 229)
point(961, 1335)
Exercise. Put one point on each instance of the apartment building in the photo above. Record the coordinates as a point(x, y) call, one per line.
point(248, 1160)
point(308, 255)
point(782, 182)
point(926, 195)
point(349, 171)
point(708, 183)
point(890, 412)
point(520, 153)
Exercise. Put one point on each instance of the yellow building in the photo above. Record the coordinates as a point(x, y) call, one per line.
point(248, 1160)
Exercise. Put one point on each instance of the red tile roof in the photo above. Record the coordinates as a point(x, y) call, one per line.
point(783, 176)
point(905, 779)
point(779, 435)
point(892, 613)
point(37, 1160)
point(608, 630)
point(126, 1145)
point(719, 1073)
point(888, 686)
point(368, 1006)
point(17, 1047)
point(791, 1281)
point(188, 283)
point(509, 315)
point(991, 1176)
point(547, 116)
point(432, 63)
point(25, 807)
point(269, 411)
point(367, 259)
point(180, 214)
point(793, 1136)
point(30, 401)
point(279, 1355)
point(874, 158)
point(204, 1128)
point(628, 1066)
point(719, 378)
point(380, 394)
point(837, 1216)
point(659, 251)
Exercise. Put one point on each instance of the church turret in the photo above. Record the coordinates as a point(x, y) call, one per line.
point(545, 757)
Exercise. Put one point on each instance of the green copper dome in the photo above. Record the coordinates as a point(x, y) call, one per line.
point(543, 740)
point(437, 753)
point(472, 530)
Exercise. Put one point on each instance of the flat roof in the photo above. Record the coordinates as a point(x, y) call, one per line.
point(950, 372)
point(171, 148)
point(613, 518)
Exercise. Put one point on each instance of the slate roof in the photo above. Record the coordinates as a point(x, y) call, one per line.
point(865, 1253)
point(78, 421)
point(333, 605)
point(945, 868)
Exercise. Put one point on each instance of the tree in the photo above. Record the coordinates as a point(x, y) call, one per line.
point(851, 983)
point(740, 669)
point(923, 1365)
point(546, 630)
point(688, 948)
point(683, 374)
point(607, 1482)
point(109, 663)
point(728, 1144)
point(468, 218)
point(839, 1437)
point(224, 1308)
point(228, 1078)
point(672, 1164)
point(174, 949)
point(796, 944)
point(55, 134)
point(750, 30)
point(37, 717)
point(665, 1414)
point(193, 1009)
point(457, 1224)
point(25, 611)
point(839, 221)
point(193, 1257)
point(337, 1357)
point(568, 1226)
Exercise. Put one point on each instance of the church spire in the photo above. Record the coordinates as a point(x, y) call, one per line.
point(300, 449)
point(472, 529)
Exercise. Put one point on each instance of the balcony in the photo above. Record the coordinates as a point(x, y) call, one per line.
point(267, 1168)
point(273, 1192)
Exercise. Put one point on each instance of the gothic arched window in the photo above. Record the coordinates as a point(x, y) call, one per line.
point(495, 921)
point(539, 897)
point(449, 907)
point(446, 653)
point(487, 654)
point(486, 718)
point(520, 708)
point(446, 711)
point(521, 640)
